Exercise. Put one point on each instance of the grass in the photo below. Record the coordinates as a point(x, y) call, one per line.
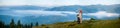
point(85, 24)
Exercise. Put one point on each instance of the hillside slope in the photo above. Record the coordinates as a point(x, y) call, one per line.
point(85, 24)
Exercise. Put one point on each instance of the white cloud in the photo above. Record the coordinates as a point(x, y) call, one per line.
point(102, 14)
point(86, 18)
point(39, 12)
point(57, 2)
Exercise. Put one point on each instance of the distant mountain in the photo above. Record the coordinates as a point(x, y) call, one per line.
point(74, 8)
point(25, 7)
point(88, 9)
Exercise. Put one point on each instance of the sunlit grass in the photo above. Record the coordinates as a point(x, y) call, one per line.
point(85, 24)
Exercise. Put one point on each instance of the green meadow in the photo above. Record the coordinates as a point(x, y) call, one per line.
point(86, 24)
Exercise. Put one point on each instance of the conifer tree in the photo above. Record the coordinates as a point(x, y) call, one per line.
point(37, 24)
point(1, 24)
point(19, 24)
point(31, 24)
point(12, 24)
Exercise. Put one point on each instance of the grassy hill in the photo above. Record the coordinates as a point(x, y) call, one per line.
point(85, 24)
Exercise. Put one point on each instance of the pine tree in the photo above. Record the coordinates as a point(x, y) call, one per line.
point(1, 24)
point(31, 25)
point(12, 24)
point(37, 24)
point(19, 24)
point(26, 26)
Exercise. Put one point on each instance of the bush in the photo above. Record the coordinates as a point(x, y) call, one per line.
point(91, 20)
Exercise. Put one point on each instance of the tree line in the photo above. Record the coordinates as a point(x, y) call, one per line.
point(18, 25)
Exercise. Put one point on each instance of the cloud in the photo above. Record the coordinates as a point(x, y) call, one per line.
point(99, 14)
point(44, 13)
point(57, 2)
point(102, 14)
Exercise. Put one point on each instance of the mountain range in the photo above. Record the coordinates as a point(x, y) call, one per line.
point(47, 15)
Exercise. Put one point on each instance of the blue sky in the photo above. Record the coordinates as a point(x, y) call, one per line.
point(57, 2)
